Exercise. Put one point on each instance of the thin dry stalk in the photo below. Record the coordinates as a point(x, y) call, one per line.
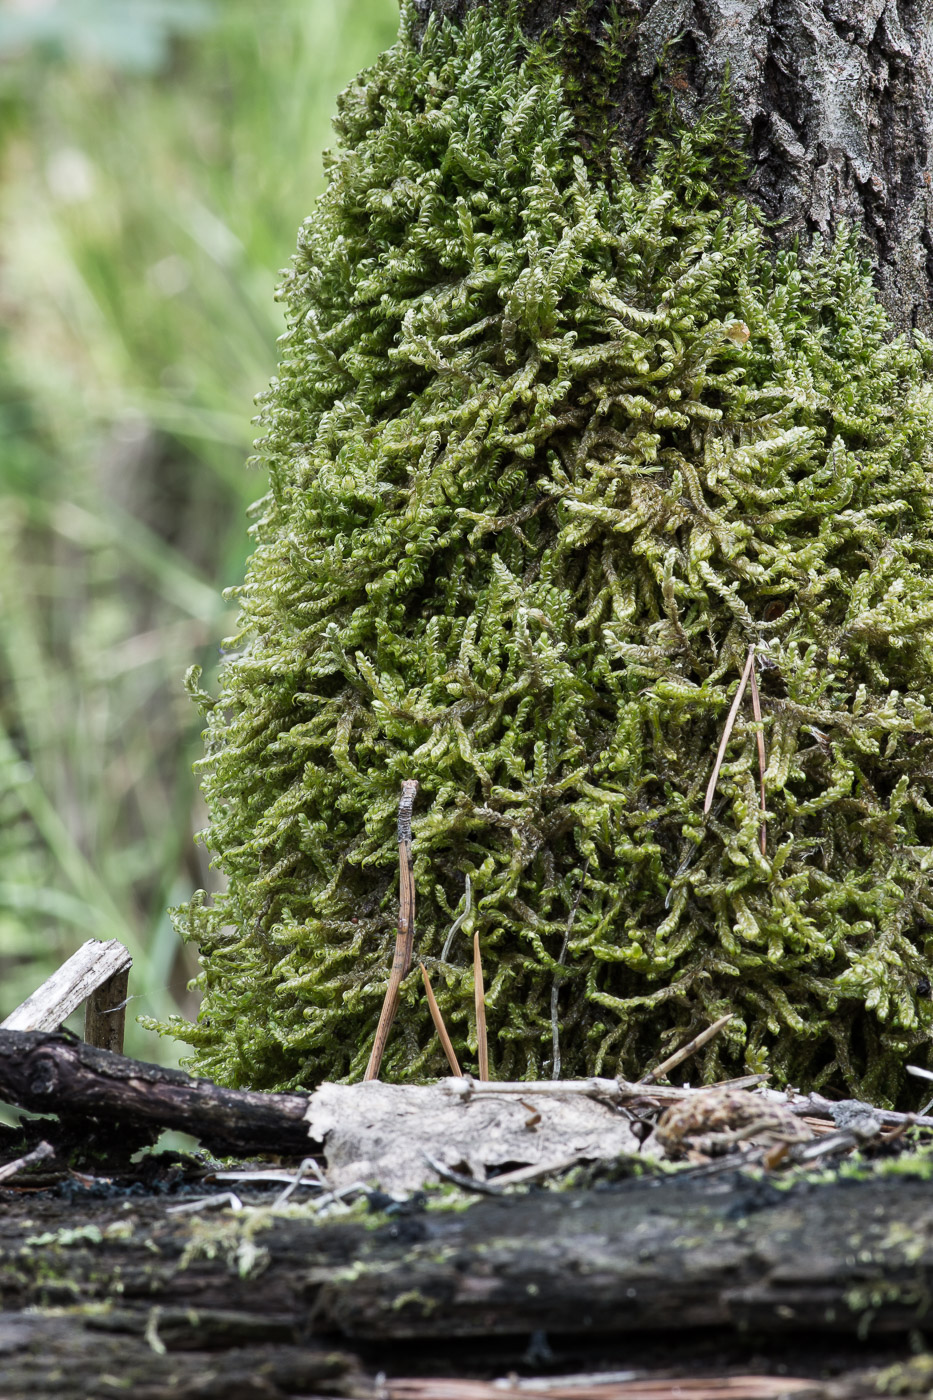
point(615, 1091)
point(727, 732)
point(460, 920)
point(686, 1051)
point(439, 1026)
point(555, 986)
point(480, 994)
point(405, 938)
point(762, 758)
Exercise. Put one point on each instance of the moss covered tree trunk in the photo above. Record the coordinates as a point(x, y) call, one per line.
point(571, 446)
point(834, 97)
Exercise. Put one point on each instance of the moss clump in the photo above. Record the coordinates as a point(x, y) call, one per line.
point(550, 448)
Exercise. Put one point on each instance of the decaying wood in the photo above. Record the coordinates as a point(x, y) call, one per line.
point(660, 1254)
point(97, 973)
point(404, 942)
point(105, 1013)
point(400, 1134)
point(165, 1353)
point(51, 1074)
point(161, 1355)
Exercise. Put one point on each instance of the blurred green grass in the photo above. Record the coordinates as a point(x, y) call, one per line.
point(156, 159)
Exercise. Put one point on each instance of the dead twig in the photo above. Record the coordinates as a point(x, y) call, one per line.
point(273, 1176)
point(686, 1051)
point(522, 1175)
point(555, 986)
point(439, 1026)
point(308, 1174)
point(727, 732)
point(42, 1153)
point(405, 938)
point(813, 1105)
point(466, 1183)
point(614, 1091)
point(479, 992)
point(225, 1198)
point(762, 759)
point(498, 1184)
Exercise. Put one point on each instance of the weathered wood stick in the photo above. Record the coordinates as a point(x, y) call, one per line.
point(85, 972)
point(105, 1013)
point(49, 1074)
point(42, 1153)
point(405, 939)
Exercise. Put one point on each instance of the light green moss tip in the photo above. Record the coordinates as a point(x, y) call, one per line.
point(534, 493)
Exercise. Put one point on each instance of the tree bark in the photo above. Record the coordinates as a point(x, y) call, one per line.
point(725, 1256)
point(835, 97)
point(51, 1074)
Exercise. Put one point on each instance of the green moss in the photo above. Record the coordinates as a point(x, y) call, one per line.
point(551, 445)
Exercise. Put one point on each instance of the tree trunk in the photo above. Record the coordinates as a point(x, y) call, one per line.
point(834, 97)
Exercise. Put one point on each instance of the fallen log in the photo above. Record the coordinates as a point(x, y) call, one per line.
point(70, 1357)
point(49, 1073)
point(723, 1256)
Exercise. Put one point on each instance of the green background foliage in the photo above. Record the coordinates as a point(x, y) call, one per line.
point(550, 448)
point(157, 158)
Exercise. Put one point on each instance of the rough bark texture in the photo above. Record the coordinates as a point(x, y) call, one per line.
point(120, 1288)
point(835, 99)
point(51, 1074)
point(727, 1255)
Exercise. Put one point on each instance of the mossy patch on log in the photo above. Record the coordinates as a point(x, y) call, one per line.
point(553, 443)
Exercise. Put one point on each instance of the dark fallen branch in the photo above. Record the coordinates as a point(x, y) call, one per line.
point(48, 1073)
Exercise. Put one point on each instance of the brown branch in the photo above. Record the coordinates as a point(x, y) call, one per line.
point(405, 938)
point(686, 1051)
point(47, 1073)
